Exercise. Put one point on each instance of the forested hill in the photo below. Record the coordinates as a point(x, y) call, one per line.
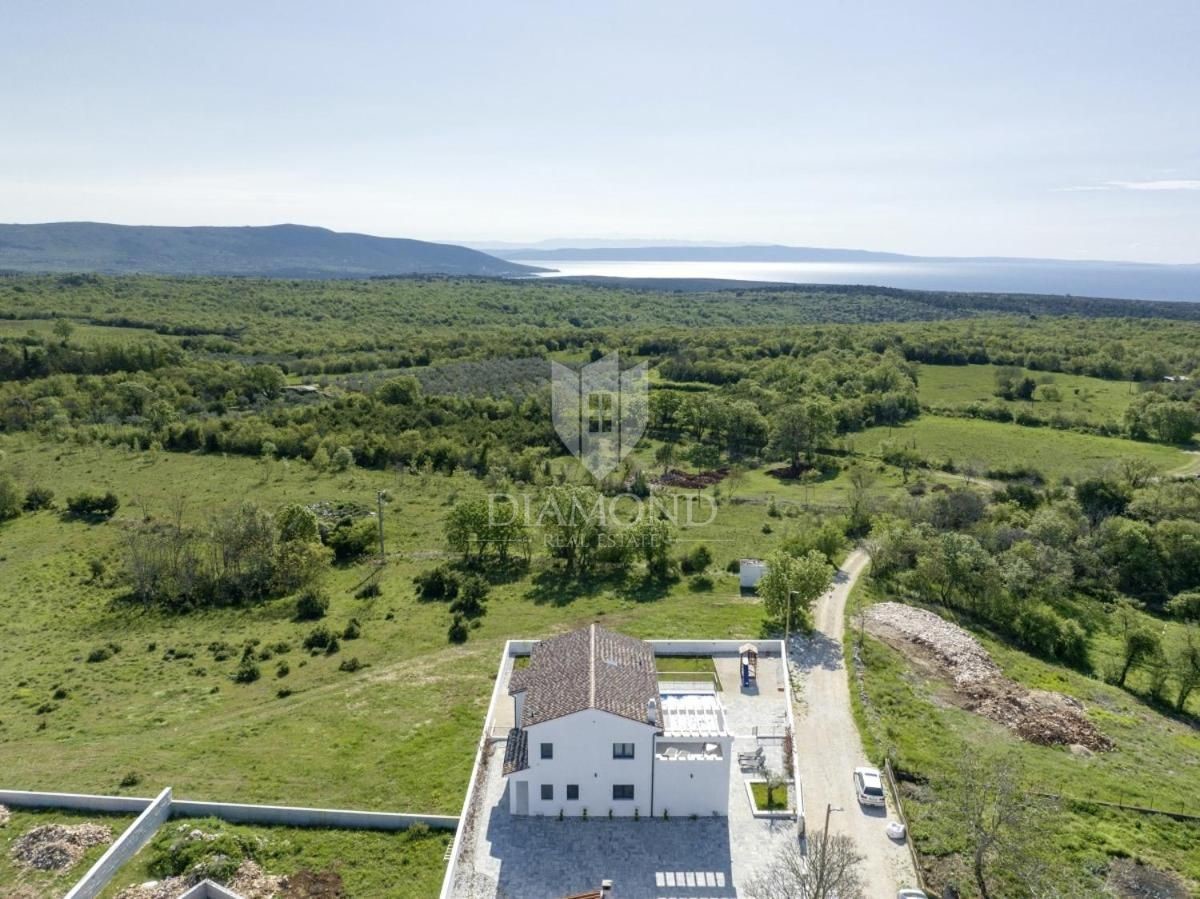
point(283, 251)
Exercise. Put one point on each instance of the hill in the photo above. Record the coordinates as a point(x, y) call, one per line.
point(284, 251)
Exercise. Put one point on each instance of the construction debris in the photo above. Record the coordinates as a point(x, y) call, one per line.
point(5, 815)
point(1037, 716)
point(249, 882)
point(57, 847)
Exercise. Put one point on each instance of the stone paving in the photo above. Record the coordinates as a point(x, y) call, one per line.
point(510, 857)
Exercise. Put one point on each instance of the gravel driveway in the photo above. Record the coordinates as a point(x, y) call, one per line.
point(829, 745)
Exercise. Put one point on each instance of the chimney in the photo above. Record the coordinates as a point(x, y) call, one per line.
point(606, 890)
point(652, 711)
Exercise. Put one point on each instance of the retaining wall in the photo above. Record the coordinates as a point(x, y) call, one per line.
point(295, 816)
point(82, 802)
point(126, 846)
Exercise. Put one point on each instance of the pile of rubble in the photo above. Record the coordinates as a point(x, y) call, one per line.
point(1048, 719)
point(249, 881)
point(5, 815)
point(57, 847)
point(673, 477)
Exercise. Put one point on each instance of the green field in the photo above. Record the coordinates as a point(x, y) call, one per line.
point(1154, 764)
point(1090, 399)
point(369, 863)
point(988, 444)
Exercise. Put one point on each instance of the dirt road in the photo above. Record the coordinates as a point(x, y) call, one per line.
point(829, 746)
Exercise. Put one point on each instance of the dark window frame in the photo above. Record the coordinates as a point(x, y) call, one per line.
point(546, 751)
point(547, 792)
point(619, 750)
point(572, 789)
point(622, 788)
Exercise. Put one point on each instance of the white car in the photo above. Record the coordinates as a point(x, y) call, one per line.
point(869, 786)
point(911, 894)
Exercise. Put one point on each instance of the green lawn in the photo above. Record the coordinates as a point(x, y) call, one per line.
point(49, 884)
point(1090, 399)
point(779, 798)
point(372, 864)
point(990, 444)
point(1154, 764)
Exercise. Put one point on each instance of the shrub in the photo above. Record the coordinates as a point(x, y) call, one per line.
point(734, 566)
point(351, 664)
point(696, 561)
point(93, 505)
point(283, 693)
point(353, 630)
point(368, 591)
point(351, 539)
point(247, 671)
point(472, 596)
point(282, 669)
point(437, 583)
point(322, 639)
point(199, 853)
point(99, 654)
point(701, 583)
point(132, 779)
point(458, 631)
point(39, 498)
point(220, 650)
point(311, 605)
point(10, 499)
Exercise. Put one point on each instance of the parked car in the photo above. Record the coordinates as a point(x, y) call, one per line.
point(869, 786)
point(911, 894)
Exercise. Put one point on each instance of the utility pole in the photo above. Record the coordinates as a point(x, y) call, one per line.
point(379, 498)
point(787, 625)
point(824, 866)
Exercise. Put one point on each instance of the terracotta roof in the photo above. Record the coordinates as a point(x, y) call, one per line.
point(591, 668)
point(516, 751)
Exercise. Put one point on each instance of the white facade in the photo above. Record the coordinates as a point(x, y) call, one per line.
point(583, 757)
point(751, 572)
point(680, 765)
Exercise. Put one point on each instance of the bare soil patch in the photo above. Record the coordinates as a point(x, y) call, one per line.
point(949, 652)
point(673, 477)
point(57, 847)
point(1129, 879)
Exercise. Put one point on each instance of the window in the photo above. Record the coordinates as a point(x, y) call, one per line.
point(622, 750)
point(572, 792)
point(622, 791)
point(547, 750)
point(547, 792)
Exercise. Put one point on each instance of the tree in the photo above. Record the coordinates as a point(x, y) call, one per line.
point(1185, 665)
point(801, 429)
point(572, 518)
point(859, 502)
point(652, 539)
point(343, 459)
point(10, 498)
point(297, 522)
point(988, 803)
point(402, 391)
point(63, 329)
point(1100, 498)
point(665, 455)
point(1185, 606)
point(1140, 645)
point(792, 584)
point(828, 868)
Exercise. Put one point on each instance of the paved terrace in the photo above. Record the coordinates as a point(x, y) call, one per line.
point(512, 857)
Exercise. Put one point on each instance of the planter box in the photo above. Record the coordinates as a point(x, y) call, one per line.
point(788, 813)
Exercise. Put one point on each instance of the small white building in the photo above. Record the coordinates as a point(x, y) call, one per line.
point(595, 735)
point(751, 572)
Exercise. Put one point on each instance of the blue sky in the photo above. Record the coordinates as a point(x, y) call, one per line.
point(1068, 129)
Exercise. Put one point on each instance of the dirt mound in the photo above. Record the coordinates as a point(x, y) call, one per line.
point(249, 881)
point(1129, 879)
point(1048, 719)
point(314, 885)
point(673, 477)
point(57, 847)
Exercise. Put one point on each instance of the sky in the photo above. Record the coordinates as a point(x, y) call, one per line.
point(1067, 129)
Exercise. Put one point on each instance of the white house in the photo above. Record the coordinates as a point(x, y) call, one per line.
point(595, 735)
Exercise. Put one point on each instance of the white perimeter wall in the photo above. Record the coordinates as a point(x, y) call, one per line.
point(692, 787)
point(583, 755)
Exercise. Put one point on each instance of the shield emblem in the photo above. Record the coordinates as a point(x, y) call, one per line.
point(600, 412)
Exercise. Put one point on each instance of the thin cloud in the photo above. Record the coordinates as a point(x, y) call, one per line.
point(1177, 184)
